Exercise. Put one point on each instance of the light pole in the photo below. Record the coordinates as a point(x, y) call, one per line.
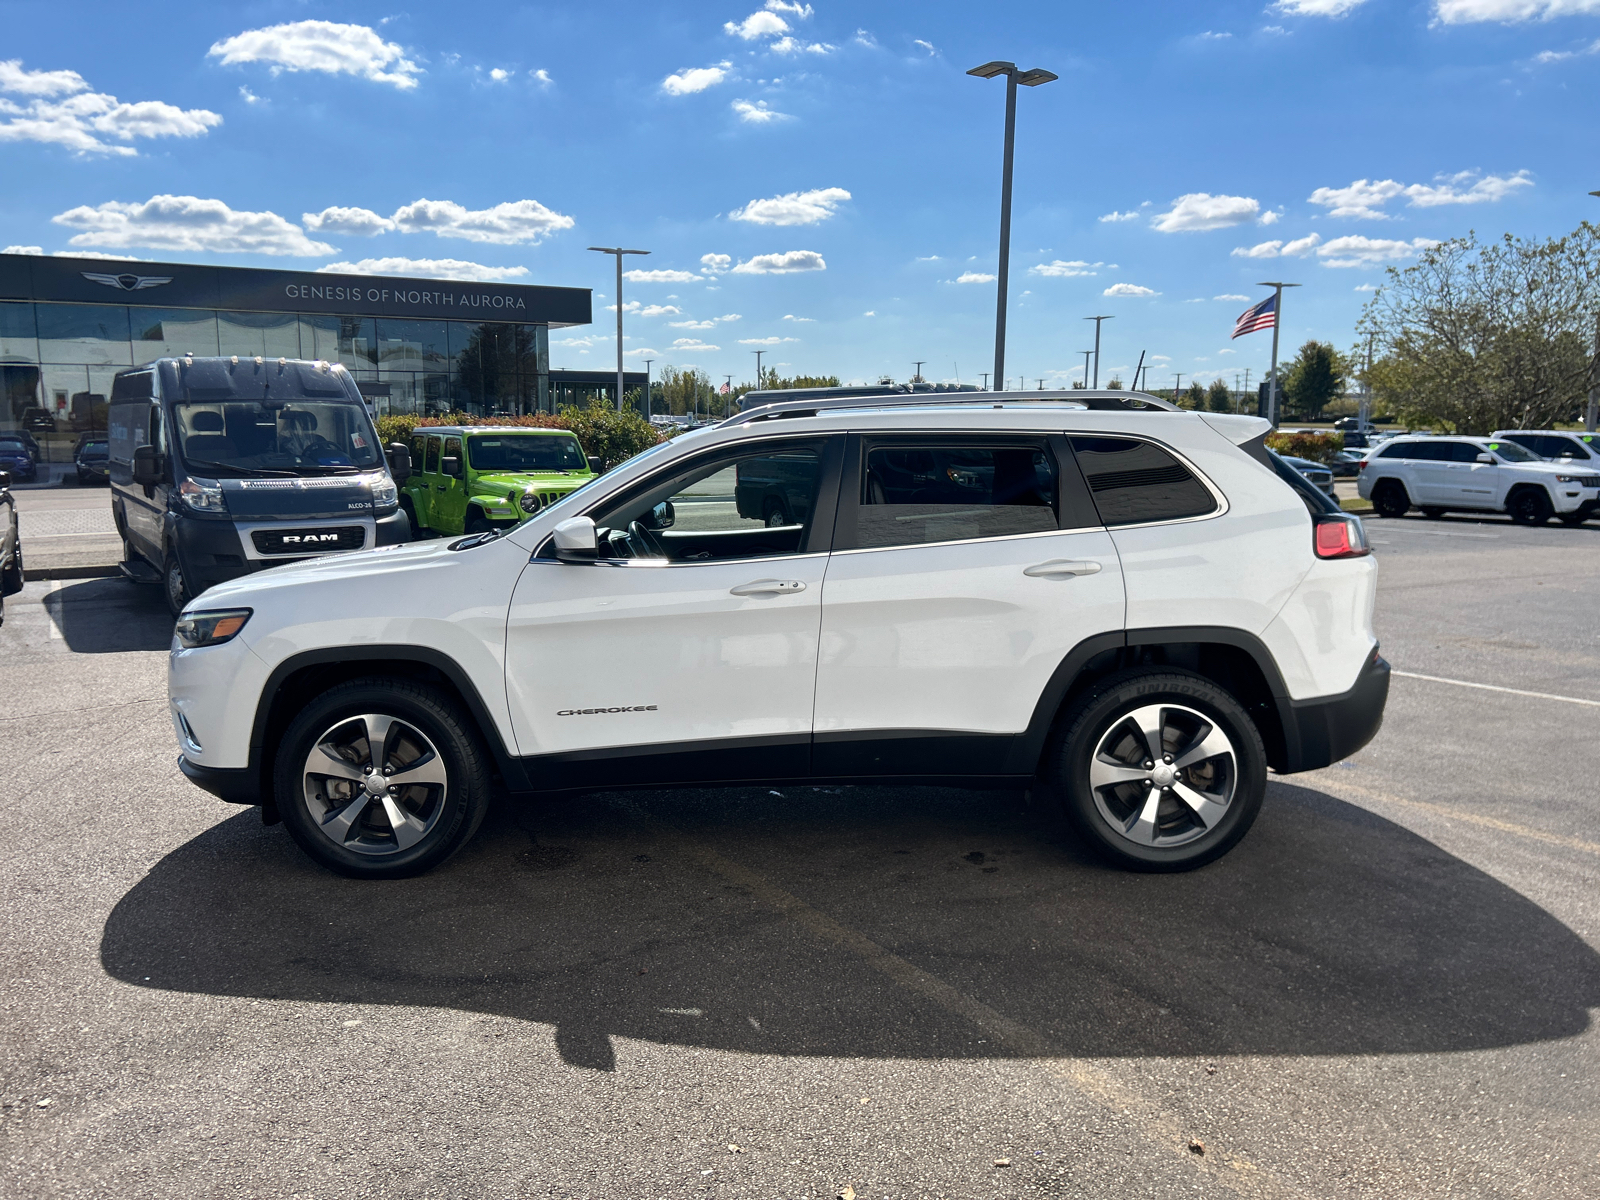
point(619, 252)
point(1031, 78)
point(985, 375)
point(917, 378)
point(1097, 321)
point(1178, 377)
point(647, 363)
point(1086, 355)
point(727, 390)
point(758, 354)
point(1277, 323)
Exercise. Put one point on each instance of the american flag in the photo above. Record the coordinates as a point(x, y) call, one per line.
point(1258, 316)
point(724, 389)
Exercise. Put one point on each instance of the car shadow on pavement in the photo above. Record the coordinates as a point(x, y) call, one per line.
point(1328, 931)
point(109, 615)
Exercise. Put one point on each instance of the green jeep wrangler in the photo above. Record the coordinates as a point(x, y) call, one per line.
point(478, 478)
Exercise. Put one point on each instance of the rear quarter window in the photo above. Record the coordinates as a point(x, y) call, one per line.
point(1135, 483)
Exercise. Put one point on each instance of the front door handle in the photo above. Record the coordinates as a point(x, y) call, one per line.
point(441, 487)
point(769, 587)
point(1058, 568)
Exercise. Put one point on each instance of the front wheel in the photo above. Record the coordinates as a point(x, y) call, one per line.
point(1530, 506)
point(1159, 770)
point(381, 778)
point(173, 586)
point(11, 579)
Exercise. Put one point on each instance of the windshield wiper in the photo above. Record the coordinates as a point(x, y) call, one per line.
point(322, 470)
point(236, 469)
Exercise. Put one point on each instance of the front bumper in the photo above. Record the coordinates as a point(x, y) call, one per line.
point(211, 551)
point(241, 786)
point(1330, 728)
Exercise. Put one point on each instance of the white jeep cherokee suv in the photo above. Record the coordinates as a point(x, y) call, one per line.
point(1494, 474)
point(1125, 605)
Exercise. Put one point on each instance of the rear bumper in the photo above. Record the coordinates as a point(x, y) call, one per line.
point(240, 786)
point(1326, 730)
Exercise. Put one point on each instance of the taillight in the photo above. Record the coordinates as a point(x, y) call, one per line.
point(1339, 535)
point(1361, 465)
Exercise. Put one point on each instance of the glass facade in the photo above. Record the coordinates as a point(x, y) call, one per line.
point(57, 360)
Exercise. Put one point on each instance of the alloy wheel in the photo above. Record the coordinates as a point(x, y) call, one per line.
point(1163, 775)
point(374, 784)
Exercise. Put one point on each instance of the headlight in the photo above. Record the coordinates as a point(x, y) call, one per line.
point(202, 495)
point(210, 628)
point(384, 492)
point(530, 502)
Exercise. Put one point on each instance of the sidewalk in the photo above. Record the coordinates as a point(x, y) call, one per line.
point(67, 532)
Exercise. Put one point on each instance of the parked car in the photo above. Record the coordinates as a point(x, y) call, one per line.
point(93, 460)
point(1346, 464)
point(1442, 474)
point(225, 466)
point(15, 457)
point(471, 479)
point(37, 420)
point(1354, 425)
point(1557, 445)
point(1099, 596)
point(1320, 475)
point(11, 576)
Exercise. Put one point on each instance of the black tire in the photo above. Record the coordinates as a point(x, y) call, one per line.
point(174, 588)
point(477, 522)
point(1389, 499)
point(12, 578)
point(1529, 506)
point(1432, 513)
point(451, 816)
point(773, 514)
point(1180, 840)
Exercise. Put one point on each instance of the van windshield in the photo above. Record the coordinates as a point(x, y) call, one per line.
point(525, 452)
point(304, 437)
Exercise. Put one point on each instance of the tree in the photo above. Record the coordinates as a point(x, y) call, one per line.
point(1311, 380)
point(1114, 384)
point(680, 392)
point(1481, 336)
point(1218, 398)
point(1193, 398)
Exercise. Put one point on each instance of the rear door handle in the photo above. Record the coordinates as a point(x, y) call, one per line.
point(768, 587)
point(1058, 568)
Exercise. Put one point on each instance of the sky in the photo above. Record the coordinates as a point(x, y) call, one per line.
point(820, 182)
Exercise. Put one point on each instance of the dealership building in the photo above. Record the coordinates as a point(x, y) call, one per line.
point(425, 346)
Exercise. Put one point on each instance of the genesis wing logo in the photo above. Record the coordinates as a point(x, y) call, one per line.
point(127, 283)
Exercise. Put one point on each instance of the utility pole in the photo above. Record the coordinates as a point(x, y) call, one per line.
point(1178, 376)
point(985, 375)
point(1277, 324)
point(1097, 321)
point(917, 378)
point(1364, 413)
point(619, 252)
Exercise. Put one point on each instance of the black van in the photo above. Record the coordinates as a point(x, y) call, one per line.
point(223, 466)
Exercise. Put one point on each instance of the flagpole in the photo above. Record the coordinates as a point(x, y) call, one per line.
point(1277, 322)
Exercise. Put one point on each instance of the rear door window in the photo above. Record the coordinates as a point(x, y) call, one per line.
point(1464, 452)
point(432, 462)
point(1135, 483)
point(915, 495)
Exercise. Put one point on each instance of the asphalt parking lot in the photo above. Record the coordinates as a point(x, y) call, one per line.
point(1388, 990)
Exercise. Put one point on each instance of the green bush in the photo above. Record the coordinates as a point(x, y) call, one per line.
point(604, 433)
point(1318, 447)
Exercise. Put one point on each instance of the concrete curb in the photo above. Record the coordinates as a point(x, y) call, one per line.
point(89, 572)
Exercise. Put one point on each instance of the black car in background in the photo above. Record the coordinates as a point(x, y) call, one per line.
point(10, 545)
point(93, 460)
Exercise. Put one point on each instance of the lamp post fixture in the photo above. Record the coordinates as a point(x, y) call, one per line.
point(1097, 321)
point(1277, 324)
point(619, 252)
point(1030, 78)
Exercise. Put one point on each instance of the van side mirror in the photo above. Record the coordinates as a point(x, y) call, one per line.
point(596, 466)
point(399, 462)
point(575, 540)
point(1485, 458)
point(450, 464)
point(147, 465)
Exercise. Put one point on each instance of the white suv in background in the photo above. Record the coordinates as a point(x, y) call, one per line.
point(1132, 607)
point(1444, 474)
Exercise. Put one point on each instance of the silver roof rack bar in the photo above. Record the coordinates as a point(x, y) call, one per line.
point(775, 405)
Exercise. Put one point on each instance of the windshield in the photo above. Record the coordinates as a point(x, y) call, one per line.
point(93, 450)
point(525, 452)
point(1512, 452)
point(268, 436)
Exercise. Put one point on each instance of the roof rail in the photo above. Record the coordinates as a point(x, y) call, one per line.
point(808, 402)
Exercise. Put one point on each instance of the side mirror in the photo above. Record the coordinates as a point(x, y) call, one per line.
point(596, 466)
point(575, 540)
point(5, 480)
point(450, 464)
point(662, 516)
point(399, 462)
point(146, 465)
point(1485, 458)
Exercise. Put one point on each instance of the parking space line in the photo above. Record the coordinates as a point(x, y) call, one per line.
point(1441, 532)
point(1160, 1127)
point(1490, 687)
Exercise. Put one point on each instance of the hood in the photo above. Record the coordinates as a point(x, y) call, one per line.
point(289, 499)
point(246, 589)
point(543, 481)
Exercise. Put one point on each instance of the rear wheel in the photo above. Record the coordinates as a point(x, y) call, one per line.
point(381, 778)
point(1389, 499)
point(1529, 506)
point(11, 578)
point(1159, 770)
point(774, 514)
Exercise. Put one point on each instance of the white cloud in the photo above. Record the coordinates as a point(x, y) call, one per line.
point(352, 222)
point(715, 264)
point(1316, 8)
point(799, 11)
point(1199, 211)
point(758, 113)
point(83, 119)
point(1366, 198)
point(789, 45)
point(23, 250)
point(543, 77)
point(1130, 215)
point(975, 277)
point(1128, 289)
point(321, 46)
point(1357, 251)
point(757, 24)
point(248, 96)
point(1230, 296)
point(584, 342)
point(1298, 248)
point(426, 268)
point(793, 208)
point(641, 352)
point(1226, 351)
point(928, 46)
point(799, 320)
point(507, 224)
point(1270, 217)
point(787, 263)
point(660, 276)
point(1301, 247)
point(1259, 250)
point(499, 75)
point(1209, 36)
point(695, 79)
point(1059, 269)
point(869, 313)
point(693, 345)
point(1464, 12)
point(692, 324)
point(730, 317)
point(766, 341)
point(660, 310)
point(189, 224)
point(1366, 287)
